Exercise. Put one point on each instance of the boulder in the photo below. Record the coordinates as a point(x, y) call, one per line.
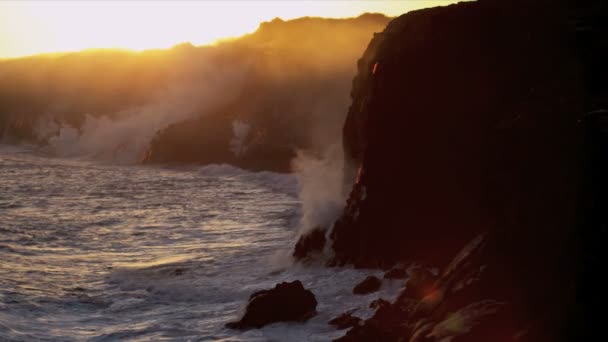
point(368, 285)
point(285, 302)
point(398, 272)
point(448, 150)
point(345, 320)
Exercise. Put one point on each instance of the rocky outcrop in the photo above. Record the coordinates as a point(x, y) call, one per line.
point(447, 129)
point(442, 308)
point(368, 285)
point(309, 244)
point(398, 272)
point(470, 126)
point(345, 320)
point(285, 302)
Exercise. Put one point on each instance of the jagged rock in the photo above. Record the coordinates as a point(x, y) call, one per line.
point(375, 304)
point(345, 320)
point(419, 283)
point(368, 285)
point(446, 308)
point(399, 272)
point(384, 325)
point(468, 127)
point(285, 302)
point(441, 149)
point(309, 244)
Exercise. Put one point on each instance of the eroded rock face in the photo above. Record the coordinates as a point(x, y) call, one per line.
point(310, 244)
point(468, 127)
point(284, 302)
point(455, 305)
point(452, 128)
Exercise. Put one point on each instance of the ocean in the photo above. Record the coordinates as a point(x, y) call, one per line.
point(96, 251)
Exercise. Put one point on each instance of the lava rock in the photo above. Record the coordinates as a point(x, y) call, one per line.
point(384, 325)
point(419, 284)
point(493, 144)
point(285, 302)
point(309, 244)
point(415, 318)
point(345, 320)
point(378, 303)
point(396, 273)
point(369, 285)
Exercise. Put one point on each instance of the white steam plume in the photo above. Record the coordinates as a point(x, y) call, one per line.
point(240, 131)
point(321, 181)
point(196, 88)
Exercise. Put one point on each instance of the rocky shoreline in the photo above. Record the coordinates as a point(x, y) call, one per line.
point(478, 134)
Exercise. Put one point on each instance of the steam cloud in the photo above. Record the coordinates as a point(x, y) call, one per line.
point(322, 188)
point(110, 105)
point(198, 86)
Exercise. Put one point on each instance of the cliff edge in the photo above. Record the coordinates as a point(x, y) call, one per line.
point(475, 131)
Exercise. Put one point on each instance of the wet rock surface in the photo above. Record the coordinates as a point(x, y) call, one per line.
point(377, 303)
point(309, 244)
point(474, 150)
point(368, 285)
point(399, 272)
point(345, 320)
point(285, 302)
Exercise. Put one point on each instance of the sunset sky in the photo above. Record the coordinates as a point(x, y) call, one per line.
point(32, 27)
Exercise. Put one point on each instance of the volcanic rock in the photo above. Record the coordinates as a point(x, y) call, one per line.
point(285, 302)
point(345, 320)
point(309, 244)
point(475, 130)
point(368, 285)
point(398, 272)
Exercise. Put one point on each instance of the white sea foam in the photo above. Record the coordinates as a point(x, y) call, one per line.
point(105, 253)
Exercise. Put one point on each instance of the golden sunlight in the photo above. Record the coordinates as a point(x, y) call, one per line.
point(32, 27)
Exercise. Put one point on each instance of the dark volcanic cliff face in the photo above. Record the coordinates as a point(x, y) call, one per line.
point(465, 125)
point(469, 123)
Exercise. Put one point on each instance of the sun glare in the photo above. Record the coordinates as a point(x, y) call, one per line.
point(32, 27)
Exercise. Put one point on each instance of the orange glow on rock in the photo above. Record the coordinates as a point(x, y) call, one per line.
point(433, 296)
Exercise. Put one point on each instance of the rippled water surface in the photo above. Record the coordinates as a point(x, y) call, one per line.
point(98, 252)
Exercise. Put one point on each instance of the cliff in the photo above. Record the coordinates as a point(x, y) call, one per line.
point(480, 125)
